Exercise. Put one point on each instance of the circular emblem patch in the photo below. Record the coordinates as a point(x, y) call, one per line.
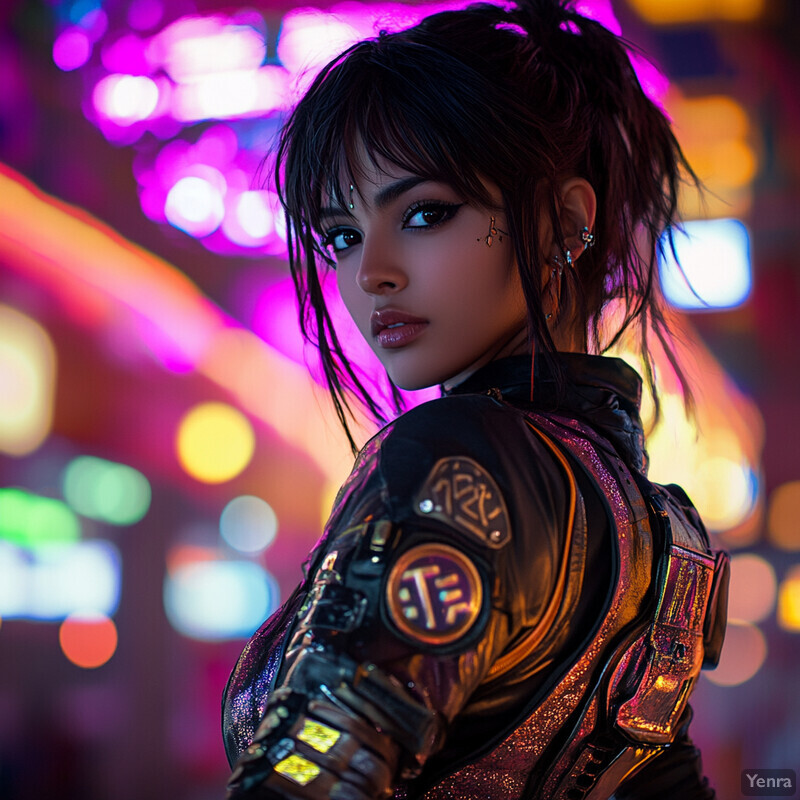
point(434, 593)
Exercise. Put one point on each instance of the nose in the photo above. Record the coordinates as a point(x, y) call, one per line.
point(380, 271)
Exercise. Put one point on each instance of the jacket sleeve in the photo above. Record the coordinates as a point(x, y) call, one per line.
point(442, 552)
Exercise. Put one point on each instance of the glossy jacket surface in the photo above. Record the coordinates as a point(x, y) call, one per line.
point(538, 597)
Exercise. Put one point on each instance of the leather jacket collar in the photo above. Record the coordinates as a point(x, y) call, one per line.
point(602, 391)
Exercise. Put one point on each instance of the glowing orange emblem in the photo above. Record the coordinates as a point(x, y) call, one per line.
point(434, 593)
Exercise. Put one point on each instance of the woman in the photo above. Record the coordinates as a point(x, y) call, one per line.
point(501, 605)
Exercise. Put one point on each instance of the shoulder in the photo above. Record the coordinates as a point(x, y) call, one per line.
point(469, 436)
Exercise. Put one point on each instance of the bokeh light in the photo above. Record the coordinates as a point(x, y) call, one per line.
point(712, 269)
point(32, 521)
point(789, 601)
point(743, 654)
point(104, 490)
point(27, 377)
point(194, 46)
point(71, 49)
point(248, 524)
point(195, 205)
point(215, 442)
point(214, 600)
point(783, 519)
point(88, 640)
point(125, 99)
point(53, 582)
point(724, 491)
point(671, 12)
point(753, 588)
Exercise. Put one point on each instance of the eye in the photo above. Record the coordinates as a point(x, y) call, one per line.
point(429, 214)
point(341, 239)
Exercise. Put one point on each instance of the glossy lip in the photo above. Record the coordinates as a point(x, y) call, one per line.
point(409, 327)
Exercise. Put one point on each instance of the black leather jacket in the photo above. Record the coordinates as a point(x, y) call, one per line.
point(501, 606)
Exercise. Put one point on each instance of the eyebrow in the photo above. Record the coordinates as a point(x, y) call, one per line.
point(383, 198)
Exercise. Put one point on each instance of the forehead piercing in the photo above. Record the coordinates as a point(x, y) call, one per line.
point(493, 231)
point(351, 204)
point(587, 237)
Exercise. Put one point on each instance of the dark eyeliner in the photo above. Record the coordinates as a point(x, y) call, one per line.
point(450, 209)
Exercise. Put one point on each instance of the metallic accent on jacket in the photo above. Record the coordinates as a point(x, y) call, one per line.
point(503, 773)
point(676, 650)
point(460, 492)
point(540, 630)
point(434, 594)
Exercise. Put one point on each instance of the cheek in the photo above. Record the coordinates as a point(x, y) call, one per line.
point(356, 303)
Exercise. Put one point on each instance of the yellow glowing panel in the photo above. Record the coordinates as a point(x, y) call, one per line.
point(27, 375)
point(784, 516)
point(318, 736)
point(789, 601)
point(297, 769)
point(215, 442)
point(669, 12)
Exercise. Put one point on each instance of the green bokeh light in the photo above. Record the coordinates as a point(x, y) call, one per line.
point(31, 521)
point(106, 491)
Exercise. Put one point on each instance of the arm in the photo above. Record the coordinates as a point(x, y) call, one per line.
point(419, 591)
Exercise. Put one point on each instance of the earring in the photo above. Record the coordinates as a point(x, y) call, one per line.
point(493, 231)
point(351, 204)
point(568, 258)
point(587, 237)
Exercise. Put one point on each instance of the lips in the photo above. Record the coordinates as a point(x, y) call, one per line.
point(394, 328)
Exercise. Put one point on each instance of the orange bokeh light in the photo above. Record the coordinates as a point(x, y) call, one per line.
point(88, 640)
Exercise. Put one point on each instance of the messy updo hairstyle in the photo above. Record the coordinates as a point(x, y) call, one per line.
point(526, 95)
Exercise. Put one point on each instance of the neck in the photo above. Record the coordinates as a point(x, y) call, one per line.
point(516, 345)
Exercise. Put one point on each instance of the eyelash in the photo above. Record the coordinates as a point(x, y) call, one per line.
point(449, 211)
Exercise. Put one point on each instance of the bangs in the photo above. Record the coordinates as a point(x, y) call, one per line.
point(382, 105)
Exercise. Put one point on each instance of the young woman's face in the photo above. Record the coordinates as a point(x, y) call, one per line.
point(414, 268)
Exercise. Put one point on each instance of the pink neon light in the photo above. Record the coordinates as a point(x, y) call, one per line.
point(193, 46)
point(127, 55)
point(71, 49)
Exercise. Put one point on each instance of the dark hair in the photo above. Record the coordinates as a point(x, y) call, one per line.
point(527, 96)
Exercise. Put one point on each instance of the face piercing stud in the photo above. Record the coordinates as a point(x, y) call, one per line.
point(493, 231)
point(351, 204)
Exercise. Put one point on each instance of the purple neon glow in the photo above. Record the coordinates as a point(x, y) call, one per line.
point(654, 83)
point(145, 14)
point(194, 46)
point(127, 54)
point(125, 99)
point(200, 68)
point(71, 49)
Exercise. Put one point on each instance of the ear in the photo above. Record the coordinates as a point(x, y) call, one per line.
point(577, 209)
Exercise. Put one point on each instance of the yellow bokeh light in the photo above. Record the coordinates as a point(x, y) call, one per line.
point(723, 492)
point(743, 654)
point(215, 442)
point(753, 588)
point(784, 513)
point(789, 601)
point(669, 12)
point(27, 375)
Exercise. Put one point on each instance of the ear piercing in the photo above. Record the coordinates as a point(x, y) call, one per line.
point(560, 264)
point(587, 237)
